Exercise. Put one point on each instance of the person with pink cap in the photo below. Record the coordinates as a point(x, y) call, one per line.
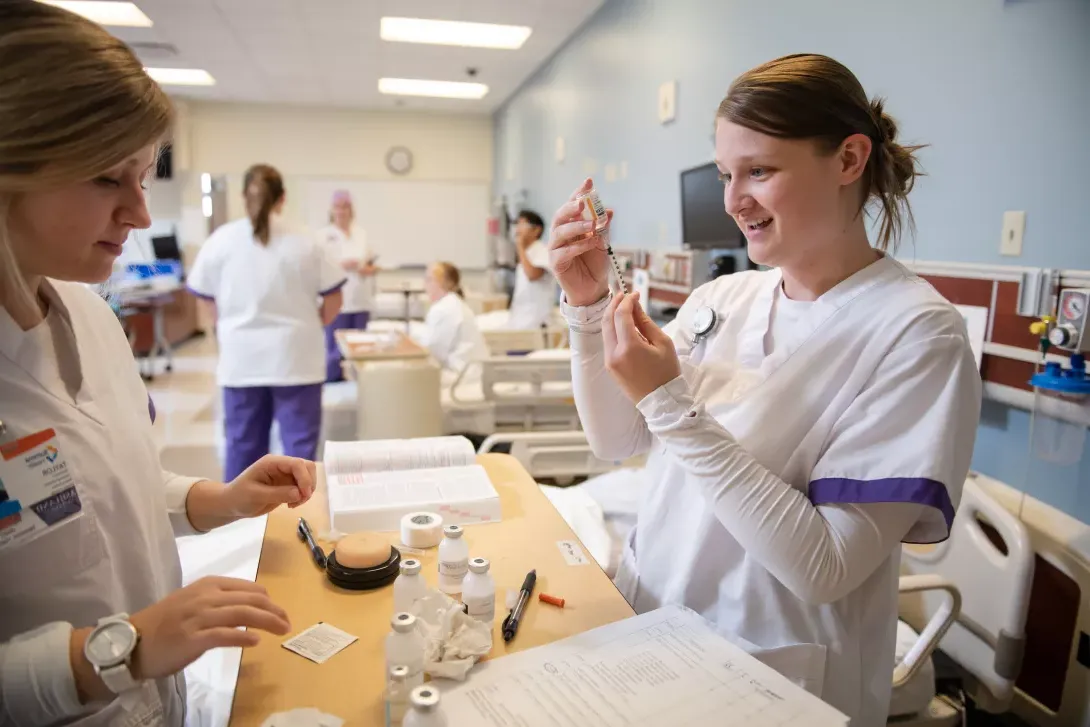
point(348, 245)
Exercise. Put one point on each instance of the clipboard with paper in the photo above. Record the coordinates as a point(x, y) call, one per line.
point(662, 668)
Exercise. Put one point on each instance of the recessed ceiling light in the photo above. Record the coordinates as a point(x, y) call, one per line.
point(438, 89)
point(105, 13)
point(181, 76)
point(450, 32)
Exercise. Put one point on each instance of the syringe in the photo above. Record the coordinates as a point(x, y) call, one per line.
point(601, 228)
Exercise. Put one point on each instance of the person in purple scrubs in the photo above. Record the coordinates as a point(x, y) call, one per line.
point(273, 290)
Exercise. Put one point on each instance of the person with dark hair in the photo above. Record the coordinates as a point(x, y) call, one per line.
point(535, 287)
point(262, 281)
point(802, 421)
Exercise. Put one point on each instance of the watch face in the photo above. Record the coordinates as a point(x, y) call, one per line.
point(111, 644)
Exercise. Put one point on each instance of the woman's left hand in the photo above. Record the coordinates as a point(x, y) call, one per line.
point(268, 483)
point(638, 354)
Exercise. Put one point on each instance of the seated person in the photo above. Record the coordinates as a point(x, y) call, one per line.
point(451, 334)
point(535, 287)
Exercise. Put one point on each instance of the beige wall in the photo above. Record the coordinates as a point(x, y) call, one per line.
point(304, 142)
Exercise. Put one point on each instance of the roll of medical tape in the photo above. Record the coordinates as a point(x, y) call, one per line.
point(421, 529)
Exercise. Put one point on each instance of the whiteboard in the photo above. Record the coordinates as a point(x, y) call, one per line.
point(411, 222)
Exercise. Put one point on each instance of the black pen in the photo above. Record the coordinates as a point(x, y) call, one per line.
point(511, 623)
point(317, 552)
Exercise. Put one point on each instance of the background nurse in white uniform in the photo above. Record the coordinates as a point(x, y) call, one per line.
point(266, 282)
point(87, 535)
point(348, 246)
point(450, 328)
point(535, 287)
point(802, 422)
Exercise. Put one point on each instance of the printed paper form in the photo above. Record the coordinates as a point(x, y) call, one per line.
point(398, 454)
point(665, 668)
point(373, 490)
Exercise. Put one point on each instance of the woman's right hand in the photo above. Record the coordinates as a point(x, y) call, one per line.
point(204, 615)
point(580, 263)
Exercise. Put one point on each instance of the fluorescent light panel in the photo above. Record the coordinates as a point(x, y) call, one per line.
point(120, 14)
point(181, 76)
point(436, 89)
point(451, 32)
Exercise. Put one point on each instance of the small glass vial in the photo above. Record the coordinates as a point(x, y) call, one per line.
point(595, 211)
point(405, 647)
point(424, 709)
point(409, 586)
point(479, 591)
point(397, 694)
point(453, 559)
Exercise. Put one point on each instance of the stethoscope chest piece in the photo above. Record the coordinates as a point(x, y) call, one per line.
point(704, 321)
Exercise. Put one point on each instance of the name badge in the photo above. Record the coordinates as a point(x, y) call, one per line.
point(37, 489)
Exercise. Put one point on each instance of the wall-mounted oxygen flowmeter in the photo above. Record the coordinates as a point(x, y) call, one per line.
point(1061, 403)
point(1071, 330)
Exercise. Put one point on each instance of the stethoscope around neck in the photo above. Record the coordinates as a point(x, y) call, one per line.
point(704, 322)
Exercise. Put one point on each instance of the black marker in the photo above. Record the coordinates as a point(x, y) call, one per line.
point(511, 623)
point(317, 552)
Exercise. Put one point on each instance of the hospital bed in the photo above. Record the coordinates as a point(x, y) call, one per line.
point(531, 392)
point(967, 596)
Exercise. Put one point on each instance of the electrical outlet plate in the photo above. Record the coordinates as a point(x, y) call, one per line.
point(667, 102)
point(1014, 227)
point(561, 151)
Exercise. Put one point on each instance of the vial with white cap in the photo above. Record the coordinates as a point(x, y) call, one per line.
point(479, 591)
point(397, 694)
point(594, 211)
point(453, 559)
point(405, 647)
point(424, 709)
point(409, 586)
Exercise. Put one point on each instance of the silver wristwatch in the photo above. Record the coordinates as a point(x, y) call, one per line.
point(109, 650)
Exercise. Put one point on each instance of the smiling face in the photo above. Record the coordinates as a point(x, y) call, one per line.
point(75, 231)
point(788, 196)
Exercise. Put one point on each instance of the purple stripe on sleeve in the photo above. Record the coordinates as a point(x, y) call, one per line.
point(335, 288)
point(151, 409)
point(199, 294)
point(891, 489)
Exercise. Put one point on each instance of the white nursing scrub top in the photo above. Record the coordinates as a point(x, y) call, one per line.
point(451, 333)
point(269, 326)
point(75, 374)
point(359, 291)
point(873, 396)
point(533, 300)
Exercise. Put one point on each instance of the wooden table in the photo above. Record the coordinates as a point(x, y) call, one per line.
point(350, 685)
point(402, 347)
point(398, 390)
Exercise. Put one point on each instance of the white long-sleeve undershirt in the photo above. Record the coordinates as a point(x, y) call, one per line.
point(820, 553)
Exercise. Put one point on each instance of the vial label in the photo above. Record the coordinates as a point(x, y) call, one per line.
point(482, 609)
point(597, 209)
point(453, 568)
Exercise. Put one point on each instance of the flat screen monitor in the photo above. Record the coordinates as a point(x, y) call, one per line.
point(166, 247)
point(704, 221)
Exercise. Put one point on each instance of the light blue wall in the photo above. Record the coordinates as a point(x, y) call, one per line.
point(1000, 89)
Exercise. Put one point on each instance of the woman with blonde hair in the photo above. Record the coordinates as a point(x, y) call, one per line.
point(802, 421)
point(451, 332)
point(347, 244)
point(94, 626)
